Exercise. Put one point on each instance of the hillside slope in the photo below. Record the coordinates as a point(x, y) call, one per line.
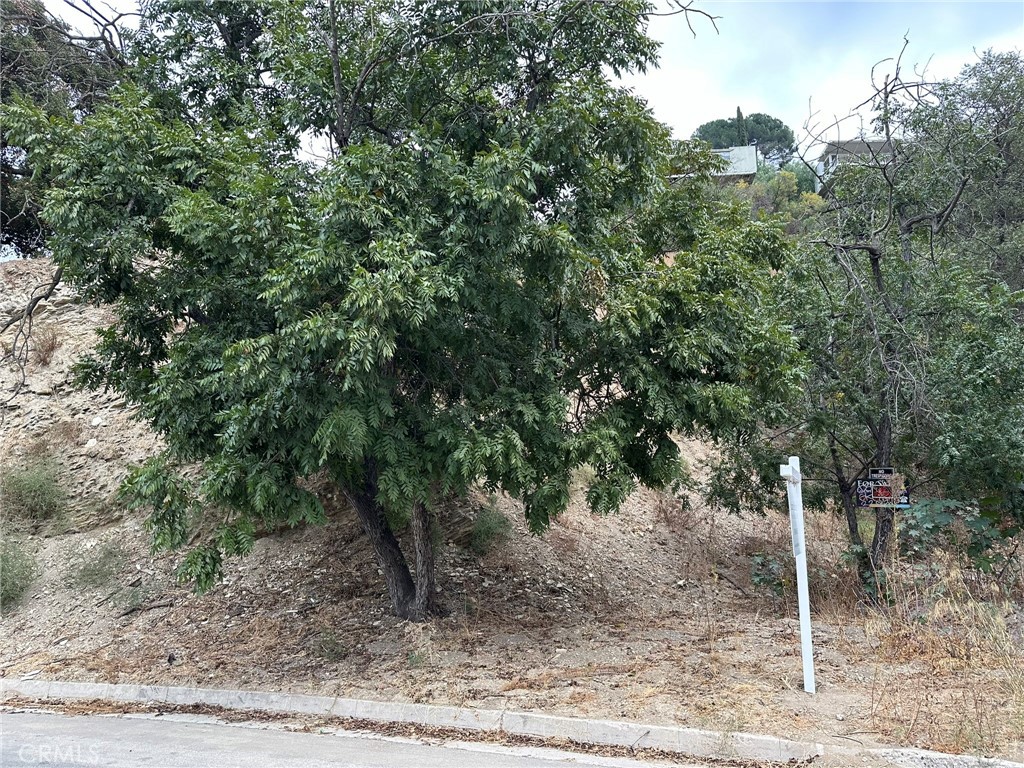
point(661, 613)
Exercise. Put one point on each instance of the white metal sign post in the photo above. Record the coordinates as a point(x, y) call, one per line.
point(791, 472)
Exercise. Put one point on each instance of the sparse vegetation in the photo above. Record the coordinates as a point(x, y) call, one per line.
point(768, 572)
point(330, 647)
point(32, 491)
point(489, 529)
point(98, 566)
point(133, 596)
point(45, 342)
point(17, 571)
point(417, 659)
point(947, 615)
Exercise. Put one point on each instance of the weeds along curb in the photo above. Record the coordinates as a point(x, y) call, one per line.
point(687, 741)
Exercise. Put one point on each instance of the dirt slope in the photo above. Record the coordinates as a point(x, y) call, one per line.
point(649, 615)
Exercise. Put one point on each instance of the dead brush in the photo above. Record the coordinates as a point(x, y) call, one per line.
point(934, 616)
point(674, 513)
point(45, 342)
point(972, 695)
point(956, 713)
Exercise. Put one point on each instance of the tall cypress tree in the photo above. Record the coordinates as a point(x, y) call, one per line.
point(741, 129)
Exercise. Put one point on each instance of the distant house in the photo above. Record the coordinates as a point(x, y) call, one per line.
point(743, 163)
point(837, 153)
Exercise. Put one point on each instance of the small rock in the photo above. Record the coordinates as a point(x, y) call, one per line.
point(98, 421)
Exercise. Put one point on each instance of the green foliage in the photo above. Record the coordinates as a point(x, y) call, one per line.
point(742, 137)
point(33, 491)
point(18, 570)
point(973, 530)
point(904, 303)
point(490, 528)
point(774, 138)
point(98, 566)
point(720, 134)
point(473, 287)
point(768, 572)
point(806, 180)
point(41, 62)
point(775, 195)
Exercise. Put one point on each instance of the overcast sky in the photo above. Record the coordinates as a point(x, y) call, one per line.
point(792, 58)
point(795, 58)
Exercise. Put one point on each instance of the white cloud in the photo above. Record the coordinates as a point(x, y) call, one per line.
point(792, 59)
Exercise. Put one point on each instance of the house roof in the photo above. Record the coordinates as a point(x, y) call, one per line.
point(742, 160)
point(848, 150)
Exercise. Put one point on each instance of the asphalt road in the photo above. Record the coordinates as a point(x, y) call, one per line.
point(48, 739)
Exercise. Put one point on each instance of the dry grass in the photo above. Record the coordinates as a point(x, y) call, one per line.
point(970, 697)
point(45, 343)
point(33, 491)
point(947, 650)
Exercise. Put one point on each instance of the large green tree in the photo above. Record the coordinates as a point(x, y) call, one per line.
point(773, 137)
point(437, 256)
point(61, 71)
point(905, 296)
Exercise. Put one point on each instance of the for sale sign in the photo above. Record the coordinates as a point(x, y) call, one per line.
point(883, 488)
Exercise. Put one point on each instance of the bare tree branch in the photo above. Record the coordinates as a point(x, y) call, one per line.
point(22, 322)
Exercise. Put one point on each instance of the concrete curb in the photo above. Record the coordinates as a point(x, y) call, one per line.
point(688, 741)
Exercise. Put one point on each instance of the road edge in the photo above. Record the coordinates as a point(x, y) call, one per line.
point(686, 741)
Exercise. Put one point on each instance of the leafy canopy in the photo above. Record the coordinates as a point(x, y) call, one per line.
point(774, 138)
point(904, 293)
point(472, 286)
point(42, 60)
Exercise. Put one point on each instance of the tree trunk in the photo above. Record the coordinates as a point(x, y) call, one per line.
point(848, 494)
point(423, 602)
point(340, 130)
point(385, 546)
point(885, 517)
point(850, 510)
point(410, 600)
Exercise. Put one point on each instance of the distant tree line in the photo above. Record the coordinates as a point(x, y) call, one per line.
point(773, 138)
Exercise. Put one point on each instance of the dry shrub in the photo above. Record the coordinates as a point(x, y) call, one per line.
point(767, 548)
point(674, 513)
point(45, 342)
point(490, 528)
point(17, 571)
point(935, 616)
point(945, 714)
point(972, 695)
point(33, 491)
